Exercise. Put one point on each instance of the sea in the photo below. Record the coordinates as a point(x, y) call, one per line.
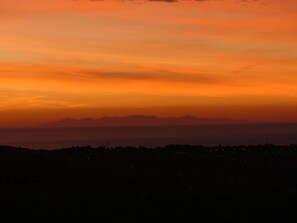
point(150, 136)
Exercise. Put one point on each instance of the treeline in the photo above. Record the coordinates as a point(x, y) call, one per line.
point(209, 183)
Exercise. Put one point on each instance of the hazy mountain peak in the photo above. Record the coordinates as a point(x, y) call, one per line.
point(138, 120)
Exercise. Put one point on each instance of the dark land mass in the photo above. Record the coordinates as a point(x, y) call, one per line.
point(138, 120)
point(242, 183)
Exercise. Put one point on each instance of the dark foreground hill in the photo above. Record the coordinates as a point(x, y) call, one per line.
point(241, 184)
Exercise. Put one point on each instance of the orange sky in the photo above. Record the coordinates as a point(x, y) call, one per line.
point(66, 58)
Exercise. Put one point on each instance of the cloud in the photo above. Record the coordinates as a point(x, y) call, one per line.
point(174, 1)
point(156, 76)
point(159, 48)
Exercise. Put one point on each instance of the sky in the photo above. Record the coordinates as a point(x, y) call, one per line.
point(85, 58)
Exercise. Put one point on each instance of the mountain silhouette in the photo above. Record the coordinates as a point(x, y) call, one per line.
point(138, 120)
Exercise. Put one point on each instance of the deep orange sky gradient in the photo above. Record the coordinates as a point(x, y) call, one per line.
point(65, 58)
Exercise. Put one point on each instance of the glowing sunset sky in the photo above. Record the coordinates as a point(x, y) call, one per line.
point(66, 58)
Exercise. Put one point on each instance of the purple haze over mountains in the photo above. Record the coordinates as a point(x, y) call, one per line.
point(138, 120)
point(148, 131)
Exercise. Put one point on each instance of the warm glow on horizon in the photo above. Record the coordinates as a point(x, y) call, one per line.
point(65, 58)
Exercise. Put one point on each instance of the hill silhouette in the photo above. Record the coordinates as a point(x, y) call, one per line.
point(240, 183)
point(138, 120)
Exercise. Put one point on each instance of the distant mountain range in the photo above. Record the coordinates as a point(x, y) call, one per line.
point(138, 120)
